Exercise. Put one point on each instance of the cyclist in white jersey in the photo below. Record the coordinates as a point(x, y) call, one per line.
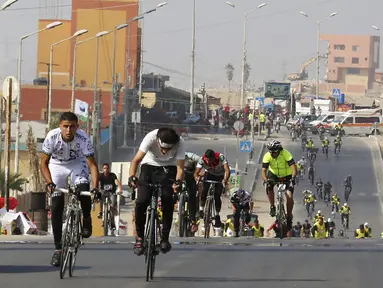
point(67, 152)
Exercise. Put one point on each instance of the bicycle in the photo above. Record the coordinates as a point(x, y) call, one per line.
point(209, 210)
point(326, 151)
point(327, 199)
point(334, 208)
point(320, 193)
point(311, 178)
point(309, 211)
point(347, 192)
point(337, 149)
point(345, 221)
point(184, 217)
point(108, 218)
point(72, 233)
point(281, 213)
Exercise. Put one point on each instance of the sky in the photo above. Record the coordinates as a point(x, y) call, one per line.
point(279, 39)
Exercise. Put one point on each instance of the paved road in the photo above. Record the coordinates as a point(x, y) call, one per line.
point(114, 265)
point(355, 159)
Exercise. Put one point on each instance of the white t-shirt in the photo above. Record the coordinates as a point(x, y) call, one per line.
point(154, 156)
point(62, 152)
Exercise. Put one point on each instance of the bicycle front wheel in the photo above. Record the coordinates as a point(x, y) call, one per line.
point(106, 219)
point(66, 243)
point(207, 217)
point(150, 263)
point(75, 242)
point(181, 215)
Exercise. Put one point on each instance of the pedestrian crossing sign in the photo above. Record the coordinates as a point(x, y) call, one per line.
point(336, 92)
point(245, 146)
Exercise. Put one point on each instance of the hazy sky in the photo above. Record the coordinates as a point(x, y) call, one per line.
point(279, 39)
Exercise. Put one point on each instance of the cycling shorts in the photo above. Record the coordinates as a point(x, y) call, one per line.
point(274, 179)
point(78, 171)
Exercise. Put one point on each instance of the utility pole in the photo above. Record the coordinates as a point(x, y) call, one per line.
point(1, 128)
point(7, 149)
point(47, 98)
point(99, 122)
point(192, 62)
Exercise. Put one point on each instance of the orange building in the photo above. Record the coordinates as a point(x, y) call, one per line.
point(95, 16)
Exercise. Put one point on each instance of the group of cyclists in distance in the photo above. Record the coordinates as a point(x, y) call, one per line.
point(162, 157)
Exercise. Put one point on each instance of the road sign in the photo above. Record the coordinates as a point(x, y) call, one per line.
point(136, 117)
point(15, 88)
point(262, 100)
point(336, 92)
point(245, 146)
point(238, 125)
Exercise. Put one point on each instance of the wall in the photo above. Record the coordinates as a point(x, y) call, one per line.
point(61, 52)
point(23, 166)
point(96, 16)
point(33, 104)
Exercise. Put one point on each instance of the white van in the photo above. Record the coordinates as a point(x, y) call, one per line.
point(324, 119)
point(359, 122)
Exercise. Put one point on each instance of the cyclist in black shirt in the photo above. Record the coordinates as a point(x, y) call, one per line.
point(109, 182)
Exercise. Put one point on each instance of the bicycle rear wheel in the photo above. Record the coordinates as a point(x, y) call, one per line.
point(181, 215)
point(207, 217)
point(66, 243)
point(75, 243)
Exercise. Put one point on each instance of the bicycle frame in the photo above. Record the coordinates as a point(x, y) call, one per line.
point(108, 215)
point(281, 207)
point(209, 210)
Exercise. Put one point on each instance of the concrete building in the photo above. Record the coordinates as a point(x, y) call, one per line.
point(95, 16)
point(352, 60)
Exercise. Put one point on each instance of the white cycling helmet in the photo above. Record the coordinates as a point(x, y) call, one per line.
point(366, 224)
point(319, 212)
point(345, 204)
point(329, 220)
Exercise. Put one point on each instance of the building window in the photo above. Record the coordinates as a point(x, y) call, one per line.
point(356, 48)
point(355, 60)
point(339, 47)
point(338, 59)
point(354, 71)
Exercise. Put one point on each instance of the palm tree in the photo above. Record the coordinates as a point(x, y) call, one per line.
point(247, 69)
point(229, 73)
point(16, 182)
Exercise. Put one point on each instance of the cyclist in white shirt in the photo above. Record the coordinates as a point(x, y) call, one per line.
point(162, 158)
point(67, 152)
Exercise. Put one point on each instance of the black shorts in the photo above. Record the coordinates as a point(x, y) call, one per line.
point(274, 180)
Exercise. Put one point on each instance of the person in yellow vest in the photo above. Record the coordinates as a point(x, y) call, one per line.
point(319, 230)
point(229, 229)
point(360, 232)
point(258, 229)
point(367, 228)
point(262, 120)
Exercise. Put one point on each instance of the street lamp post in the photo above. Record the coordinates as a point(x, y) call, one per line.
point(244, 47)
point(128, 78)
point(49, 112)
point(318, 43)
point(7, 4)
point(192, 61)
point(142, 48)
point(100, 34)
point(17, 143)
point(114, 93)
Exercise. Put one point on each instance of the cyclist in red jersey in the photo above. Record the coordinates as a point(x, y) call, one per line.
point(217, 169)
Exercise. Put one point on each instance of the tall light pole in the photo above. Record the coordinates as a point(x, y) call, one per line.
point(96, 125)
point(17, 143)
point(100, 34)
point(7, 4)
point(192, 61)
point(244, 47)
point(318, 43)
point(49, 112)
point(115, 91)
point(128, 78)
point(142, 48)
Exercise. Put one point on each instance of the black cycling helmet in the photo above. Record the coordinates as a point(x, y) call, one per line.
point(274, 145)
point(167, 137)
point(209, 154)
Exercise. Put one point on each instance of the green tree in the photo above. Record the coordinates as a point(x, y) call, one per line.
point(229, 73)
point(16, 182)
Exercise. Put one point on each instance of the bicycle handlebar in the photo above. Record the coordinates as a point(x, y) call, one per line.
point(82, 193)
point(213, 182)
